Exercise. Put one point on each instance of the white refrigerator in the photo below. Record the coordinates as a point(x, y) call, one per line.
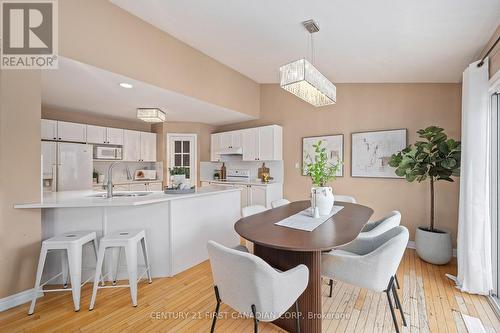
point(67, 166)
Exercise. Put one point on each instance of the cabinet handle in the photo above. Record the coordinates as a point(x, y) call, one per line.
point(59, 138)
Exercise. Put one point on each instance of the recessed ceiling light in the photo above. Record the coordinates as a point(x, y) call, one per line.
point(126, 85)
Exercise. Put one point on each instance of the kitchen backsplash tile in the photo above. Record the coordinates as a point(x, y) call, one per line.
point(276, 168)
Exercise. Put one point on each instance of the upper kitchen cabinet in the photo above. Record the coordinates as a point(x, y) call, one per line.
point(148, 147)
point(230, 140)
point(71, 132)
point(107, 135)
point(114, 136)
point(49, 129)
point(215, 147)
point(139, 146)
point(263, 143)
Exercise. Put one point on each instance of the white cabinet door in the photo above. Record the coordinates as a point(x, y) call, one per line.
point(225, 140)
point(203, 184)
point(122, 187)
point(131, 145)
point(96, 134)
point(244, 195)
point(114, 136)
point(266, 143)
point(257, 195)
point(49, 159)
point(215, 146)
point(48, 129)
point(71, 132)
point(138, 187)
point(250, 144)
point(236, 139)
point(155, 187)
point(148, 147)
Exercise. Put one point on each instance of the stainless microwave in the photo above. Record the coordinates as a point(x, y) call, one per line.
point(108, 153)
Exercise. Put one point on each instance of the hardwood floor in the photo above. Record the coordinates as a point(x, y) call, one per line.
point(184, 304)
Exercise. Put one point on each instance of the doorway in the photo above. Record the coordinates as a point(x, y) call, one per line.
point(182, 153)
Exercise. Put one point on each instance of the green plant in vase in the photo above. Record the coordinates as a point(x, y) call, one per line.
point(321, 171)
point(434, 158)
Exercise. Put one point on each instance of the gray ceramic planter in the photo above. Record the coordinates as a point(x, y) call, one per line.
point(433, 247)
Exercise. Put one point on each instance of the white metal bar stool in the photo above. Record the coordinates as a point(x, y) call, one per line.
point(128, 240)
point(72, 243)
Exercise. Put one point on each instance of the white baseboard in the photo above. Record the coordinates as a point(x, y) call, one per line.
point(17, 299)
point(411, 245)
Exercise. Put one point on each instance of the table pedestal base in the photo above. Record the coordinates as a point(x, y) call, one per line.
point(310, 300)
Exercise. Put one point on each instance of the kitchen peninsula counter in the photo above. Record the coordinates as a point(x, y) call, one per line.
point(177, 226)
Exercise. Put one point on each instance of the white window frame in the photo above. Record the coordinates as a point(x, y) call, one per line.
point(494, 83)
point(193, 150)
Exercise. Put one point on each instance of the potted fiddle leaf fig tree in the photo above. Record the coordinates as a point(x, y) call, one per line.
point(433, 158)
point(321, 172)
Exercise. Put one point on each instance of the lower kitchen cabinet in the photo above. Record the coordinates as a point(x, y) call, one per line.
point(254, 194)
point(138, 186)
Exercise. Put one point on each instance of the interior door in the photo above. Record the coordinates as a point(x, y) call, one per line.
point(182, 153)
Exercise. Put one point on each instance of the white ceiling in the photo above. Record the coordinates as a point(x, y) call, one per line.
point(78, 86)
point(359, 41)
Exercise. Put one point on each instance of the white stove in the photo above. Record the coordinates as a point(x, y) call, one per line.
point(238, 175)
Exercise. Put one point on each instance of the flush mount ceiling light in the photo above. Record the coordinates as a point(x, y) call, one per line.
point(303, 80)
point(126, 85)
point(151, 115)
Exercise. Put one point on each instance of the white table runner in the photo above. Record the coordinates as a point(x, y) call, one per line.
point(304, 220)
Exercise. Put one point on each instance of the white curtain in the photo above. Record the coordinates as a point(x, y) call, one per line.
point(474, 225)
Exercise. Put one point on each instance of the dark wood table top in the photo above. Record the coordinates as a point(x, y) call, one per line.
point(340, 229)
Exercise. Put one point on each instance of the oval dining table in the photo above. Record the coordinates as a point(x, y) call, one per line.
point(284, 248)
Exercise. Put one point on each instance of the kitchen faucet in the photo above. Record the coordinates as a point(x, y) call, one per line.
point(109, 179)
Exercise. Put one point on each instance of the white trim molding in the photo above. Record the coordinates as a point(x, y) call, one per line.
point(412, 245)
point(12, 301)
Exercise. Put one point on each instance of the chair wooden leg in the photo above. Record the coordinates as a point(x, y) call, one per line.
point(297, 313)
point(331, 287)
point(216, 314)
point(398, 302)
point(255, 320)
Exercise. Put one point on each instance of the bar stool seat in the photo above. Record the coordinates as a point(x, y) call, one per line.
point(127, 240)
point(72, 243)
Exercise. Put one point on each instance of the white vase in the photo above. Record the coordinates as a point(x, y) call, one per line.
point(323, 198)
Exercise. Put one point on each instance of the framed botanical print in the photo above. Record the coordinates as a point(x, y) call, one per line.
point(334, 145)
point(371, 152)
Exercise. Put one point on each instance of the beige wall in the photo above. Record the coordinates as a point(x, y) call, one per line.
point(365, 107)
point(93, 119)
point(203, 144)
point(20, 97)
point(495, 54)
point(98, 33)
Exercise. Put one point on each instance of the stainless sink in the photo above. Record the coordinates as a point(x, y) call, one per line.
point(121, 194)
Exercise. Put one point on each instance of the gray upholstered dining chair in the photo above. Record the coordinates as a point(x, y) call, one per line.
point(370, 263)
point(252, 287)
point(375, 228)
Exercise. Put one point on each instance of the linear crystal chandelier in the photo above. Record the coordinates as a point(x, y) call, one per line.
point(151, 115)
point(303, 80)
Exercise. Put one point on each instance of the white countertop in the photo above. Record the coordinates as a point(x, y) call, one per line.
point(126, 182)
point(72, 199)
point(250, 182)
